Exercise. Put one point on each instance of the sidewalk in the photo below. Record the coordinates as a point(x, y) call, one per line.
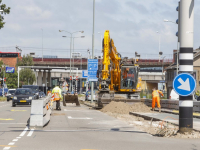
point(171, 118)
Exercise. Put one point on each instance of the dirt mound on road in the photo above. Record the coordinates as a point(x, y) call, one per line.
point(124, 108)
point(140, 107)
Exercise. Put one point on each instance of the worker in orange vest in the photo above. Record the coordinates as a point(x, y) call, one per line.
point(156, 99)
point(57, 97)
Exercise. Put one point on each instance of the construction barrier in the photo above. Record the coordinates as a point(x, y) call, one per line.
point(40, 112)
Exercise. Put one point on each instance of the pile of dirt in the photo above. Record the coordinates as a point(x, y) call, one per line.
point(140, 107)
point(117, 107)
point(124, 108)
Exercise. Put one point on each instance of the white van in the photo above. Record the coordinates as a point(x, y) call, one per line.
point(175, 96)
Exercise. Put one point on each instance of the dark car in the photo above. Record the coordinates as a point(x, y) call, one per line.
point(10, 94)
point(34, 88)
point(23, 96)
point(41, 94)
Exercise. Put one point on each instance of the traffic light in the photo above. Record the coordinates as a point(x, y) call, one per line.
point(4, 79)
point(178, 21)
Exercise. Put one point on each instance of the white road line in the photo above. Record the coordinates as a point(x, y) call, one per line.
point(69, 117)
point(18, 137)
point(15, 140)
point(24, 132)
point(31, 132)
point(13, 123)
point(11, 143)
point(6, 148)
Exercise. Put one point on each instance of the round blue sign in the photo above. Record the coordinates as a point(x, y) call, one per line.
point(184, 84)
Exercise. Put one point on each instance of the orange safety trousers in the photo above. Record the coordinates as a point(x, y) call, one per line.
point(155, 100)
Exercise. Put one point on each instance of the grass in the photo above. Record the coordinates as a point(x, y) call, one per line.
point(3, 99)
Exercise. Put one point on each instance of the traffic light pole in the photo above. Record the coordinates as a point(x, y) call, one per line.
point(3, 83)
point(186, 9)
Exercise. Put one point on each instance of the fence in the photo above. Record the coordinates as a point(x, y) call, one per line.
point(148, 94)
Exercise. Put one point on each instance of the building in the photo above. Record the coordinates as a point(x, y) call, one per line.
point(171, 71)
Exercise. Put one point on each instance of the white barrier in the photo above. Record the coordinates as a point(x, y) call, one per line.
point(40, 112)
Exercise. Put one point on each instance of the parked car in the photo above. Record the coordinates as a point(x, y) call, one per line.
point(175, 96)
point(10, 94)
point(41, 94)
point(23, 96)
point(88, 96)
point(34, 88)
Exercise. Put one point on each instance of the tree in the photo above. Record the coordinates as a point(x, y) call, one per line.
point(26, 60)
point(26, 75)
point(11, 80)
point(5, 11)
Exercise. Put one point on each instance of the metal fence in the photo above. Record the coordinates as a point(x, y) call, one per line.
point(148, 94)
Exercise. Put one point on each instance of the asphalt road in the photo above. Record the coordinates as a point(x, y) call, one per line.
point(79, 128)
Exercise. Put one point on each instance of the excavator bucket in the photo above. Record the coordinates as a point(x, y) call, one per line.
point(70, 98)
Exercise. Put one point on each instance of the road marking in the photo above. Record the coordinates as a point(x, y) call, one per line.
point(19, 137)
point(11, 143)
point(17, 110)
point(15, 140)
point(31, 132)
point(6, 119)
point(6, 148)
point(24, 132)
point(13, 123)
point(69, 117)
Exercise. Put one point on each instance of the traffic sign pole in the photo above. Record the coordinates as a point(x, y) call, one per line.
point(186, 62)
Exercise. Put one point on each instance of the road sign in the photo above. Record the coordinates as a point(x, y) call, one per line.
point(10, 70)
point(92, 69)
point(84, 73)
point(184, 84)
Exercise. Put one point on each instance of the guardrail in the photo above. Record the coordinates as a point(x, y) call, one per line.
point(173, 104)
point(40, 112)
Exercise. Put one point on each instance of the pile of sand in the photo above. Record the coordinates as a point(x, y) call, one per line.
point(124, 108)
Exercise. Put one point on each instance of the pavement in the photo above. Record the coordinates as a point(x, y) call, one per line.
point(79, 128)
point(171, 118)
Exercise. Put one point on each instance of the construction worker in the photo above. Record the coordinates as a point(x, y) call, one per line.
point(57, 97)
point(156, 99)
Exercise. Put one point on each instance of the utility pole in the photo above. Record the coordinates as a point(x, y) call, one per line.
point(92, 88)
point(186, 62)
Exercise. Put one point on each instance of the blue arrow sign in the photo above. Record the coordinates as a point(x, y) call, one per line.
point(184, 84)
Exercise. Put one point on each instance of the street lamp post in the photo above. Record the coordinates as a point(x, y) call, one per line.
point(92, 88)
point(165, 20)
point(88, 51)
point(163, 70)
point(70, 50)
point(42, 44)
point(159, 44)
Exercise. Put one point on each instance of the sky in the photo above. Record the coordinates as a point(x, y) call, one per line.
point(133, 26)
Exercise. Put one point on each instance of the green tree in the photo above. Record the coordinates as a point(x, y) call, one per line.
point(11, 80)
point(26, 60)
point(26, 75)
point(6, 10)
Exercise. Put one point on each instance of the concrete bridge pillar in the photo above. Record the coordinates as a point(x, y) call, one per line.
point(39, 80)
point(49, 78)
point(44, 79)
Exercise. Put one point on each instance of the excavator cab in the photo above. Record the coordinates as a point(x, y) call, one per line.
point(129, 77)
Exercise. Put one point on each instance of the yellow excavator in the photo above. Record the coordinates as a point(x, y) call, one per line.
point(117, 75)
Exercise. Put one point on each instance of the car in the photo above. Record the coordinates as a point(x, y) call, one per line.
point(175, 96)
point(23, 96)
point(88, 96)
point(41, 94)
point(10, 94)
point(34, 88)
